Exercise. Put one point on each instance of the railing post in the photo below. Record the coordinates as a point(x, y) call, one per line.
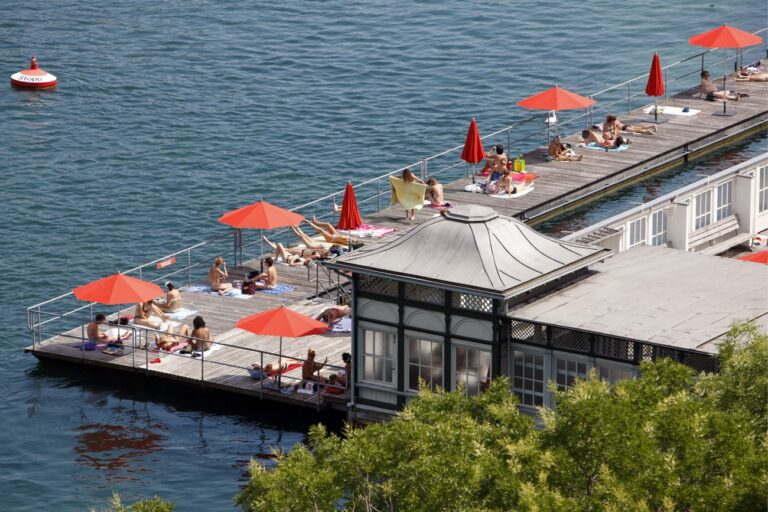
point(146, 351)
point(702, 63)
point(261, 386)
point(189, 267)
point(509, 142)
point(202, 363)
point(235, 236)
point(665, 84)
point(423, 165)
point(378, 194)
point(629, 98)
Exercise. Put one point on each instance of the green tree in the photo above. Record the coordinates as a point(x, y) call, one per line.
point(154, 504)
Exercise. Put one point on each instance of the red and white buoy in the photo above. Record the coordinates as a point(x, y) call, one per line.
point(33, 77)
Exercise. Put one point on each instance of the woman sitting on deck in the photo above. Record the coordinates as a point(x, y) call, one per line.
point(310, 369)
point(268, 279)
point(149, 315)
point(505, 183)
point(172, 299)
point(434, 192)
point(709, 90)
point(561, 152)
point(217, 275)
point(200, 335)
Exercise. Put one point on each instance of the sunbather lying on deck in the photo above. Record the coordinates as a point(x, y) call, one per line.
point(561, 152)
point(277, 366)
point(593, 135)
point(612, 128)
point(296, 256)
point(328, 232)
point(170, 340)
point(332, 314)
point(745, 75)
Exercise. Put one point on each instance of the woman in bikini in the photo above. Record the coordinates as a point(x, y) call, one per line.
point(149, 315)
point(172, 299)
point(408, 177)
point(334, 313)
point(745, 75)
point(200, 335)
point(171, 340)
point(291, 255)
point(216, 276)
point(505, 183)
point(614, 126)
point(327, 231)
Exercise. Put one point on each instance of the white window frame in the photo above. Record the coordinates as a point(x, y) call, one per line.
point(762, 187)
point(471, 346)
point(614, 366)
point(569, 357)
point(546, 357)
point(364, 355)
point(638, 232)
point(702, 210)
point(659, 228)
point(723, 200)
point(414, 336)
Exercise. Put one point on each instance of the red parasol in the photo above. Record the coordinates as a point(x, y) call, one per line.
point(757, 257)
point(350, 215)
point(556, 98)
point(473, 147)
point(655, 85)
point(261, 215)
point(118, 289)
point(725, 37)
point(281, 322)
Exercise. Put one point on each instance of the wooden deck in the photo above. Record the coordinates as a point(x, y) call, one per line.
point(561, 185)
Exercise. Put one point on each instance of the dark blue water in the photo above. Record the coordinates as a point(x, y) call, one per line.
point(170, 113)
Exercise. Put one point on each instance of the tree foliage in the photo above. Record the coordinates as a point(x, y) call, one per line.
point(669, 440)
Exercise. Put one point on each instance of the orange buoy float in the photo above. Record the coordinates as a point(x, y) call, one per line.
point(33, 77)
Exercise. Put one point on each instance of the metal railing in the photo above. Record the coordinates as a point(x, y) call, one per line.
point(140, 340)
point(447, 163)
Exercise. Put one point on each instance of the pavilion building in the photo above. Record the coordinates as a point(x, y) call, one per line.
point(472, 295)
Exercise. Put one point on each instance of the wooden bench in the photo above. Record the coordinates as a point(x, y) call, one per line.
point(708, 235)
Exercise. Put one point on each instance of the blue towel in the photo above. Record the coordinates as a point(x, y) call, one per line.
point(592, 145)
point(277, 290)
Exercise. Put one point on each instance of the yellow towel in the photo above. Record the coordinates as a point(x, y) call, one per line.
point(408, 195)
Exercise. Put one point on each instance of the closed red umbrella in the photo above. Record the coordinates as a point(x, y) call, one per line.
point(556, 98)
point(118, 289)
point(725, 37)
point(350, 216)
point(473, 151)
point(757, 257)
point(655, 85)
point(281, 322)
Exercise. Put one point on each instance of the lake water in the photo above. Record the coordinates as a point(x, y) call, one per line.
point(170, 113)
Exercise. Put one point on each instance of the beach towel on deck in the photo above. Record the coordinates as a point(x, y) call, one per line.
point(181, 314)
point(408, 195)
point(277, 290)
point(592, 145)
point(343, 324)
point(673, 111)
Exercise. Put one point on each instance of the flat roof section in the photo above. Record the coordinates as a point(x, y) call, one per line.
point(658, 295)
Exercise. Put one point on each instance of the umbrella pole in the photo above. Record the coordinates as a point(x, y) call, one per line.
point(655, 110)
point(725, 91)
point(280, 364)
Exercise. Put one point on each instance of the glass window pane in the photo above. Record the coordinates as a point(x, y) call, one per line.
point(413, 377)
point(413, 350)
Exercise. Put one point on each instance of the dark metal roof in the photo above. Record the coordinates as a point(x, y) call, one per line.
point(473, 248)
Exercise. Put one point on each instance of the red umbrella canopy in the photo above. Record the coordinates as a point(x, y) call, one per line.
point(725, 37)
point(281, 322)
point(655, 85)
point(556, 98)
point(473, 147)
point(350, 215)
point(118, 289)
point(757, 257)
point(261, 215)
